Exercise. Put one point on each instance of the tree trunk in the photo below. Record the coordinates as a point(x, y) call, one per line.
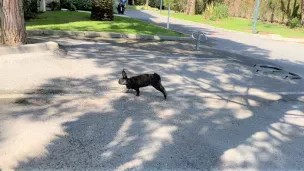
point(147, 3)
point(288, 9)
point(190, 9)
point(302, 20)
point(12, 22)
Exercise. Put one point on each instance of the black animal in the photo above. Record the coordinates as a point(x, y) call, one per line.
point(143, 80)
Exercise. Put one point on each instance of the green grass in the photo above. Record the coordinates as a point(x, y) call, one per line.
point(80, 21)
point(244, 25)
point(140, 7)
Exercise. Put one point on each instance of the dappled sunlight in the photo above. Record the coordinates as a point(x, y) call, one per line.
point(219, 114)
point(121, 140)
point(166, 113)
point(27, 137)
point(24, 138)
point(265, 146)
point(157, 137)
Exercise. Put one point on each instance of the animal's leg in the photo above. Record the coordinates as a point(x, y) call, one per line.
point(160, 88)
point(137, 91)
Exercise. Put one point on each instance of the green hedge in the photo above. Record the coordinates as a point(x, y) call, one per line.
point(85, 5)
point(30, 8)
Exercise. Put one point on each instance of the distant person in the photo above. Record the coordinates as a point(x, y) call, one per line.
point(121, 6)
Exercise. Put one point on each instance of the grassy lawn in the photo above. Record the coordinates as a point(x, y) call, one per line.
point(244, 25)
point(140, 7)
point(80, 21)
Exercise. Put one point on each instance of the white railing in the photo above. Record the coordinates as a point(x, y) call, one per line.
point(199, 38)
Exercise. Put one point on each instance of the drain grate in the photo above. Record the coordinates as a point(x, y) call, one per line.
point(275, 70)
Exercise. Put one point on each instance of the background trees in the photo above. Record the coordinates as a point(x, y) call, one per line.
point(279, 11)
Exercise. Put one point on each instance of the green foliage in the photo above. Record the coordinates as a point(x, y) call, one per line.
point(115, 4)
point(200, 6)
point(54, 5)
point(143, 2)
point(83, 4)
point(295, 11)
point(280, 11)
point(243, 25)
point(216, 11)
point(176, 5)
point(295, 22)
point(69, 5)
point(30, 8)
point(102, 10)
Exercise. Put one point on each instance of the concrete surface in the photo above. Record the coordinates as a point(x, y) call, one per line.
point(29, 48)
point(220, 114)
point(287, 54)
point(91, 34)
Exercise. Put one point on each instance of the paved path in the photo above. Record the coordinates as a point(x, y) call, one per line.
point(286, 54)
point(219, 115)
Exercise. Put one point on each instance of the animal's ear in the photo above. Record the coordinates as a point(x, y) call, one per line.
point(124, 74)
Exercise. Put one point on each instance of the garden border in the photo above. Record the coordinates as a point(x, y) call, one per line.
point(90, 34)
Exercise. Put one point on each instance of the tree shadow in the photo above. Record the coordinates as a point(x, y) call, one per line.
point(55, 17)
point(219, 115)
point(234, 42)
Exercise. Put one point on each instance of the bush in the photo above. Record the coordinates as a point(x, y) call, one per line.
point(54, 5)
point(216, 11)
point(140, 2)
point(83, 4)
point(30, 8)
point(70, 6)
point(295, 22)
point(102, 10)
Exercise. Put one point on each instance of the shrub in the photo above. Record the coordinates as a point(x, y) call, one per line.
point(30, 8)
point(54, 5)
point(102, 10)
point(70, 6)
point(83, 4)
point(216, 11)
point(34, 4)
point(140, 2)
point(295, 22)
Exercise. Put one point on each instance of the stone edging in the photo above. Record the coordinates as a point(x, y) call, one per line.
point(104, 35)
point(29, 48)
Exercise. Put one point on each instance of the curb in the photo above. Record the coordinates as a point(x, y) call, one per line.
point(104, 35)
point(29, 48)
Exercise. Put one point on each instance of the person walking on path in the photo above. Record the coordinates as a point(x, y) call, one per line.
point(121, 6)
